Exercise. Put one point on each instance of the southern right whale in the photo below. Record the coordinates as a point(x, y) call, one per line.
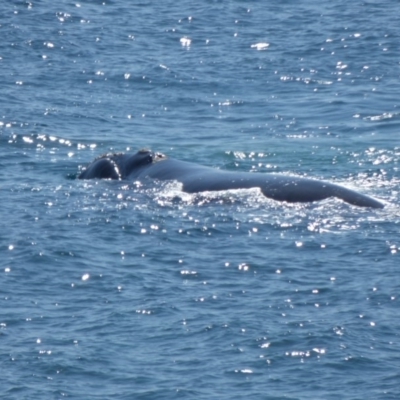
point(146, 164)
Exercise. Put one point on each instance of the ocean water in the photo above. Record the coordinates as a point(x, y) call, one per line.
point(113, 290)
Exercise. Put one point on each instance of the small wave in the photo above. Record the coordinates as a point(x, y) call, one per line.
point(42, 141)
point(382, 117)
point(260, 46)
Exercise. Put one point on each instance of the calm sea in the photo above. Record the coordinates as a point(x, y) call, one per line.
point(110, 290)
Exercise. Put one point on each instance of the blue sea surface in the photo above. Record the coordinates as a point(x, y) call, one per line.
point(118, 290)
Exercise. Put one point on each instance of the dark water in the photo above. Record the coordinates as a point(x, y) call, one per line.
point(115, 290)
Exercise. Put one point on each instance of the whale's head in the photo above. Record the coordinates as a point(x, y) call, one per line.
point(120, 166)
point(105, 166)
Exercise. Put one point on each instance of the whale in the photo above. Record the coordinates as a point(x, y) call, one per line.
point(148, 165)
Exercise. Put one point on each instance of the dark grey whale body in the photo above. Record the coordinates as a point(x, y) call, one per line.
point(197, 178)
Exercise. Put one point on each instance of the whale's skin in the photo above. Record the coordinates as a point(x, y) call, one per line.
point(146, 164)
